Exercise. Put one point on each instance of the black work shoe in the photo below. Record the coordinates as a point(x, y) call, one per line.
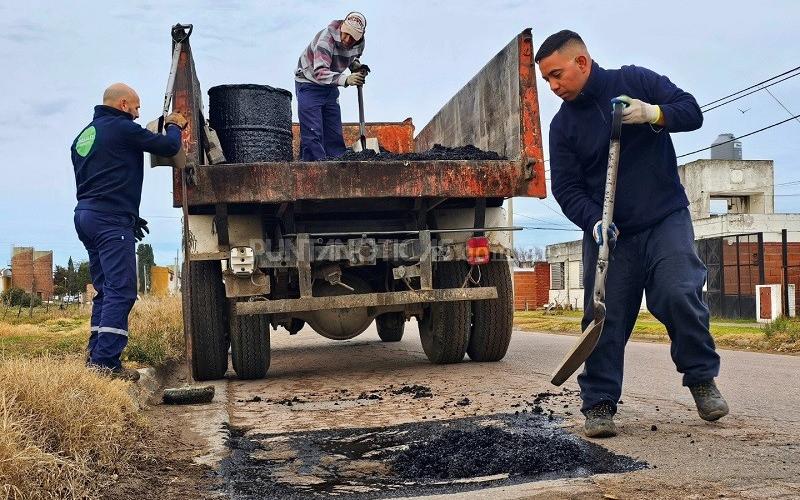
point(710, 403)
point(600, 421)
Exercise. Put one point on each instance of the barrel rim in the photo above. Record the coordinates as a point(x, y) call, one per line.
point(249, 86)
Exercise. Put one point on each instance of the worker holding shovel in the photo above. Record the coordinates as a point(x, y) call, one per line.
point(651, 234)
point(319, 74)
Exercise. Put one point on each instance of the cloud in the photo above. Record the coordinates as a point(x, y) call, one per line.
point(23, 33)
point(51, 107)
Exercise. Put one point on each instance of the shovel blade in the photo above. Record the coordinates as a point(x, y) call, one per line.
point(582, 349)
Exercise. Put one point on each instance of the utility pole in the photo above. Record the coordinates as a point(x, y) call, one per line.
point(510, 222)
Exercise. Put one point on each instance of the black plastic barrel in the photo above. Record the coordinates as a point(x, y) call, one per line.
point(253, 122)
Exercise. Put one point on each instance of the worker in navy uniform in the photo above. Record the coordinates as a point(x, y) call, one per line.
point(652, 232)
point(108, 158)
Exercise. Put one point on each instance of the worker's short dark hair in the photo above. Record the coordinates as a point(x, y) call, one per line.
point(555, 42)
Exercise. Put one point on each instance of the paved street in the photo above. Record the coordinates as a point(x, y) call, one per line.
point(319, 385)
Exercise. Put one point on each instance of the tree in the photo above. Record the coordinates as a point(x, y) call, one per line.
point(526, 256)
point(60, 279)
point(72, 283)
point(19, 297)
point(145, 262)
point(83, 277)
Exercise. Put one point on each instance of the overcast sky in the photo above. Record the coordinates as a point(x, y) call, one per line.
point(58, 57)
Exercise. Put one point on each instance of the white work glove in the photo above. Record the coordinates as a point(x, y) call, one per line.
point(355, 79)
point(637, 111)
point(597, 233)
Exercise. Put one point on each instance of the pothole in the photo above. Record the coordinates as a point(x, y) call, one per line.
point(412, 459)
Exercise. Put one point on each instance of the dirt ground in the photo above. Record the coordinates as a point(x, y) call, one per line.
point(340, 418)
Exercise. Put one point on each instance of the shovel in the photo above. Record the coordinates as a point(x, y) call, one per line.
point(586, 344)
point(362, 129)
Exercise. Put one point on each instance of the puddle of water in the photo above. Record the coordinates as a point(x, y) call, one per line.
point(412, 459)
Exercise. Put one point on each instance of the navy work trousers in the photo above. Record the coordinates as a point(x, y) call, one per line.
point(320, 121)
point(110, 241)
point(661, 262)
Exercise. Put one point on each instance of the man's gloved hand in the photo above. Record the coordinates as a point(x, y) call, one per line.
point(355, 65)
point(355, 79)
point(612, 232)
point(140, 229)
point(175, 118)
point(638, 111)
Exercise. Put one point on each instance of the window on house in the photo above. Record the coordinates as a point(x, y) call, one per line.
point(580, 274)
point(557, 276)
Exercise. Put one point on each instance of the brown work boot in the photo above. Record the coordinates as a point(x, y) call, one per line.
point(600, 421)
point(710, 403)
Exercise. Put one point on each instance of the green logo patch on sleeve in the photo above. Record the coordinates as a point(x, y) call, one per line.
point(85, 141)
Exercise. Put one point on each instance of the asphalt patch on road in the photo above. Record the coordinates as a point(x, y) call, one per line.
point(437, 152)
point(431, 457)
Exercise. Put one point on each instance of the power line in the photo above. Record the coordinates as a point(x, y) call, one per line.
point(748, 93)
point(780, 103)
point(539, 220)
point(752, 87)
point(741, 136)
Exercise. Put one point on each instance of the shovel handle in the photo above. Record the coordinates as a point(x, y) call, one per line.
point(362, 131)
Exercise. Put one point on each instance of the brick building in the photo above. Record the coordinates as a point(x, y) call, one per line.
point(738, 236)
point(32, 270)
point(531, 286)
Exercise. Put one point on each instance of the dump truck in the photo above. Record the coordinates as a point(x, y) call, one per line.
point(340, 244)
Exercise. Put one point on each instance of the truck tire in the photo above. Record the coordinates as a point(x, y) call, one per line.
point(492, 320)
point(444, 328)
point(390, 326)
point(250, 351)
point(206, 316)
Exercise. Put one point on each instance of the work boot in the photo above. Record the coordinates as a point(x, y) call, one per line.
point(710, 403)
point(600, 421)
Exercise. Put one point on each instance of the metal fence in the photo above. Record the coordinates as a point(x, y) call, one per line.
point(738, 263)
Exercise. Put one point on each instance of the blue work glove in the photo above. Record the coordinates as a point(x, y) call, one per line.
point(140, 229)
point(597, 233)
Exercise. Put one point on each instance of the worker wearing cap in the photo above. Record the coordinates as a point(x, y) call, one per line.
point(319, 74)
point(108, 158)
point(654, 241)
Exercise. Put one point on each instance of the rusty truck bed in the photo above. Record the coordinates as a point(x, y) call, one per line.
point(496, 111)
point(284, 182)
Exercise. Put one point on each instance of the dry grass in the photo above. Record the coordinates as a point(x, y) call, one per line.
point(156, 327)
point(781, 336)
point(64, 430)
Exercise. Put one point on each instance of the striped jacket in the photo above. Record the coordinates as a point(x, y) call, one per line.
point(325, 59)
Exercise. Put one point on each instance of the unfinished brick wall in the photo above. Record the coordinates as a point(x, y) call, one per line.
point(43, 270)
point(22, 268)
point(31, 269)
point(532, 287)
